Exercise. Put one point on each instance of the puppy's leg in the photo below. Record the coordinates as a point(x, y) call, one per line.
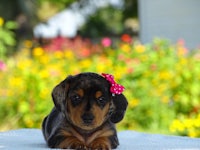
point(62, 142)
point(114, 141)
point(61, 138)
point(43, 127)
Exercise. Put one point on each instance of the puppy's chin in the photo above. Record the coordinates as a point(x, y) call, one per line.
point(88, 127)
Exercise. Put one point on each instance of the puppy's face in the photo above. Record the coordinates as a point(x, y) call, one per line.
point(88, 101)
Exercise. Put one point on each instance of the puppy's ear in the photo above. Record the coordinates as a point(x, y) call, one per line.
point(59, 93)
point(120, 104)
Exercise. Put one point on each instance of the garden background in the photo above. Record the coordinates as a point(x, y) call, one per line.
point(161, 78)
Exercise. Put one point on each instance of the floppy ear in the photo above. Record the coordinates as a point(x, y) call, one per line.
point(59, 93)
point(120, 104)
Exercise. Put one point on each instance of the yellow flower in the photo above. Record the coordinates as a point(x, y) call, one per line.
point(28, 121)
point(101, 67)
point(1, 21)
point(38, 51)
point(133, 103)
point(44, 74)
point(181, 51)
point(58, 54)
point(177, 125)
point(44, 93)
point(165, 75)
point(15, 81)
point(193, 133)
point(196, 121)
point(126, 48)
point(44, 59)
point(69, 54)
point(188, 123)
point(165, 99)
point(23, 64)
point(85, 63)
point(140, 48)
point(28, 44)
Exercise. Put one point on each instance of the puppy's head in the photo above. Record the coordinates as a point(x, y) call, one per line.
point(87, 102)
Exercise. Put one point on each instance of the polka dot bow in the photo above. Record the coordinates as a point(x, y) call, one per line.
point(115, 88)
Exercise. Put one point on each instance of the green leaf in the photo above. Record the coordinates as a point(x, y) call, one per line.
point(11, 25)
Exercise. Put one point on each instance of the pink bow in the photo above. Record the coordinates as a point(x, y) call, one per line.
point(115, 88)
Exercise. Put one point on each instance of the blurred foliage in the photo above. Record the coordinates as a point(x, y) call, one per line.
point(60, 3)
point(130, 9)
point(8, 9)
point(130, 6)
point(99, 24)
point(161, 81)
point(7, 37)
point(108, 21)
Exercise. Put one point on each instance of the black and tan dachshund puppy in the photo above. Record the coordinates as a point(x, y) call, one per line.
point(86, 110)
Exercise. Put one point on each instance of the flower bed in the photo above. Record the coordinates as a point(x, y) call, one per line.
point(161, 81)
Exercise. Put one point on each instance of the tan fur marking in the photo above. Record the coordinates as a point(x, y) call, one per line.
point(98, 94)
point(100, 114)
point(80, 92)
point(105, 132)
point(72, 133)
point(75, 113)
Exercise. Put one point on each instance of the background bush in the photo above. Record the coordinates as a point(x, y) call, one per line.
point(161, 81)
point(7, 37)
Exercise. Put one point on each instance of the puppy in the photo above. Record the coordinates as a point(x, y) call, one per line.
point(86, 110)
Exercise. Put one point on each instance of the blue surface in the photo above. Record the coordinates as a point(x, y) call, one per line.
point(129, 140)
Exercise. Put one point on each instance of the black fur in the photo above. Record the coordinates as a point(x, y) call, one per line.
point(59, 120)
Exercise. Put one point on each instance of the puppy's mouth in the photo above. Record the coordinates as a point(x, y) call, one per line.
point(88, 125)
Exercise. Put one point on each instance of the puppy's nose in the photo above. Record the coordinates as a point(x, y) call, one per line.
point(87, 118)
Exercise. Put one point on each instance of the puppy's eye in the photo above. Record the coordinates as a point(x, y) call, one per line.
point(101, 101)
point(76, 99)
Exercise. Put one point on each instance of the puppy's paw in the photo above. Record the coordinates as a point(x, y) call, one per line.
point(72, 143)
point(100, 144)
point(78, 146)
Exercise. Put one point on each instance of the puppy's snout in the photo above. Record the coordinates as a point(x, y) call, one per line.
point(87, 118)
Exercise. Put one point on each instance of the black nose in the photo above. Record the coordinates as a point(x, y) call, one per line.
point(87, 118)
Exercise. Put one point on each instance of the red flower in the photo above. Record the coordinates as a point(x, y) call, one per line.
point(126, 38)
point(85, 52)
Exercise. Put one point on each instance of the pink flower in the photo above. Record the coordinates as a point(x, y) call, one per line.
point(181, 42)
point(2, 66)
point(106, 42)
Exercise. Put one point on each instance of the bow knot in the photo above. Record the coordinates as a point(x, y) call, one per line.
point(115, 88)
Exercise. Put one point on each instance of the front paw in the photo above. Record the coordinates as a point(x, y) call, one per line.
point(78, 146)
point(72, 143)
point(99, 145)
